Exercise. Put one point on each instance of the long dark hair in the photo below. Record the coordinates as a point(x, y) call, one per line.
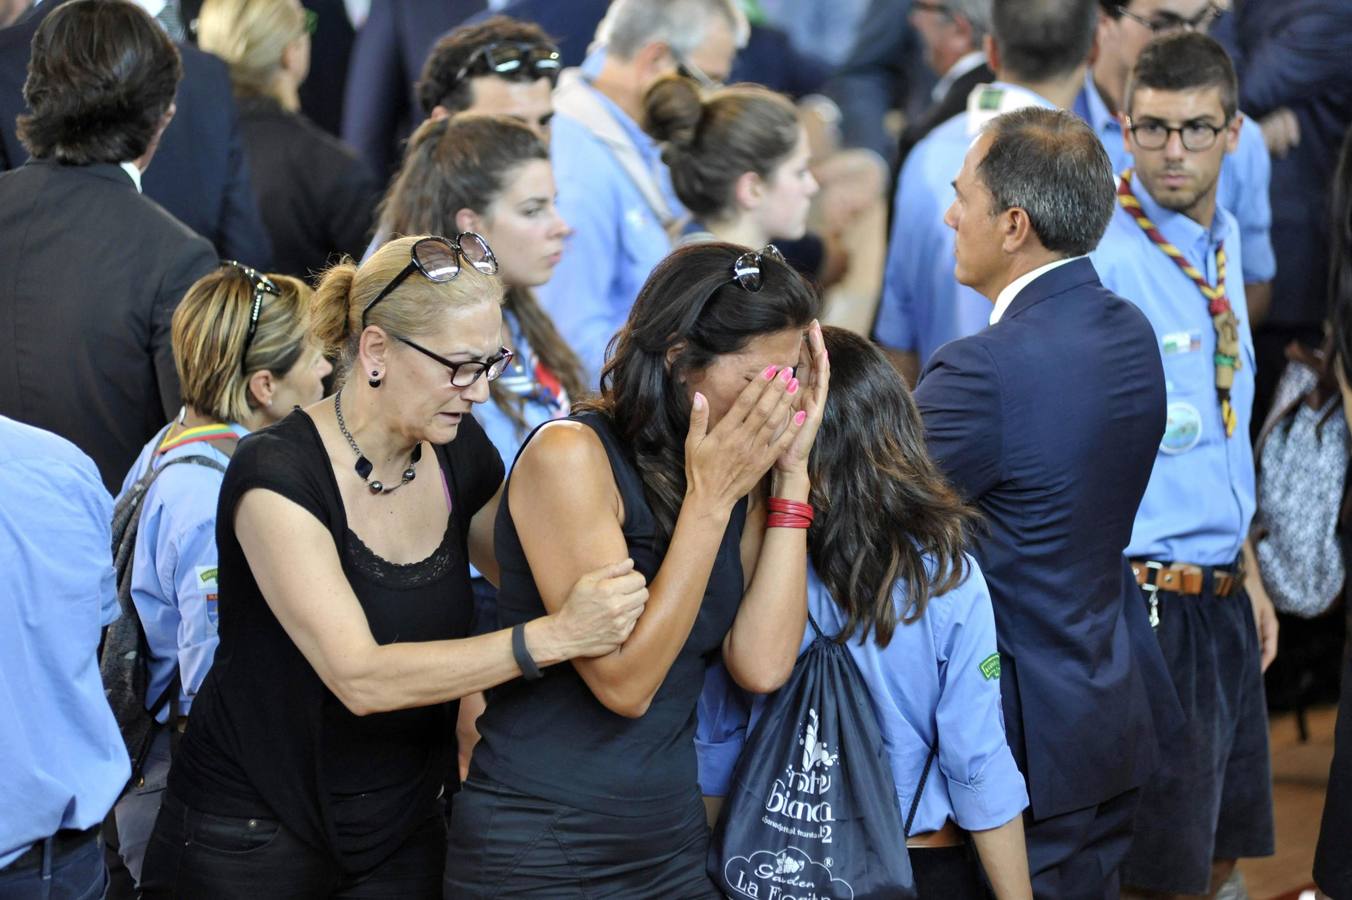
point(881, 505)
point(1340, 253)
point(464, 162)
point(691, 303)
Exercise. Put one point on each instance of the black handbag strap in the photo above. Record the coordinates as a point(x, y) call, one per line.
point(919, 789)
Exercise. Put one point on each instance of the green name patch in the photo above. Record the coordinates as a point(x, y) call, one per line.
point(209, 575)
point(990, 666)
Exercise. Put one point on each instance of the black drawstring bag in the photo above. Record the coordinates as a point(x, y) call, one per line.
point(812, 810)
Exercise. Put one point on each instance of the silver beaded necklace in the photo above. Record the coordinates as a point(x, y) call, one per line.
point(363, 466)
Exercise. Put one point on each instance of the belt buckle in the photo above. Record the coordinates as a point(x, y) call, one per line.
point(1152, 589)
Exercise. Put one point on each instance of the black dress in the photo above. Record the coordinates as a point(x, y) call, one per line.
point(562, 791)
point(267, 738)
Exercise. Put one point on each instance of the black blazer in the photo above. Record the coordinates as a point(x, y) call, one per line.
point(199, 172)
point(92, 274)
point(317, 198)
point(381, 106)
point(1049, 421)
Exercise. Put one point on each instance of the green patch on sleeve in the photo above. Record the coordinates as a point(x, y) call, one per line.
point(207, 576)
point(990, 667)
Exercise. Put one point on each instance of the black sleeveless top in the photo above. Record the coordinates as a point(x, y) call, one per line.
point(552, 738)
point(266, 737)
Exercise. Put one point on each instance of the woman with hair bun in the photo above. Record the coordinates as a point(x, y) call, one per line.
point(740, 162)
point(318, 744)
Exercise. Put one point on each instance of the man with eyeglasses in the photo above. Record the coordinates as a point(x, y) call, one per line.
point(1174, 250)
point(953, 33)
point(614, 189)
point(1124, 29)
point(501, 66)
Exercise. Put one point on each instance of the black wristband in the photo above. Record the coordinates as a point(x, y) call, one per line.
point(529, 670)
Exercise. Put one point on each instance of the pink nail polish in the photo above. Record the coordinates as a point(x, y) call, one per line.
point(793, 387)
point(800, 417)
point(769, 373)
point(785, 373)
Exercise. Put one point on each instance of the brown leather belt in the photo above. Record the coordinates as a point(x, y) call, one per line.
point(1183, 578)
point(948, 836)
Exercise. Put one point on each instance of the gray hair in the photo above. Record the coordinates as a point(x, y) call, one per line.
point(681, 24)
point(977, 13)
point(1050, 164)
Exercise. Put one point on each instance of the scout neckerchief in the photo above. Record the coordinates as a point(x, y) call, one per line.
point(1218, 304)
point(195, 435)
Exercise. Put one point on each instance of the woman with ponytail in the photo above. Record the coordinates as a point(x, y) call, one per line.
point(740, 162)
point(314, 759)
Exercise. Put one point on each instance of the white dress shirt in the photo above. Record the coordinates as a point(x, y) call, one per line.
point(1006, 297)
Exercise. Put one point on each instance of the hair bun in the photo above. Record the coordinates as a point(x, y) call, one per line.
point(673, 108)
point(330, 307)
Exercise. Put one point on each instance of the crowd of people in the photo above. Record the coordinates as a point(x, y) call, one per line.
point(938, 330)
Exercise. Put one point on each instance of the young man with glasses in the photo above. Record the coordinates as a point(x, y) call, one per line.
point(1174, 250)
point(1124, 29)
point(502, 66)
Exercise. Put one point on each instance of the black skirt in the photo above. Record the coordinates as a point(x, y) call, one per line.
point(507, 844)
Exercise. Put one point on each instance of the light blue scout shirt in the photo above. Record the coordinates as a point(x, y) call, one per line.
point(1200, 499)
point(1243, 186)
point(617, 237)
point(62, 760)
point(938, 680)
point(173, 580)
point(923, 307)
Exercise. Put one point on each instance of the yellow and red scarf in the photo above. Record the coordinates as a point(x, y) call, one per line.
point(1223, 317)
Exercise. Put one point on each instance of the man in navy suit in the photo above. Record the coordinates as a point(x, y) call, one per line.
point(200, 173)
point(380, 109)
point(1048, 421)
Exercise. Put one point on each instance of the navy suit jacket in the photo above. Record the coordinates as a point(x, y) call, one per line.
point(1048, 422)
point(199, 173)
point(380, 108)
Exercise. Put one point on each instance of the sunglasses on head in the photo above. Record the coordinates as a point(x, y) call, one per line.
point(747, 268)
point(439, 259)
point(261, 285)
point(514, 59)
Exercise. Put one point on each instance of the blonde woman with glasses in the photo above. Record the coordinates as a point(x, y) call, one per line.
point(316, 197)
point(244, 357)
point(321, 740)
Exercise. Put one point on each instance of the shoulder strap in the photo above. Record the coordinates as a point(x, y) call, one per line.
point(919, 790)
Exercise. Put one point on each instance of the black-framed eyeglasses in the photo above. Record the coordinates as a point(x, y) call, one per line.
point(261, 285)
point(438, 259)
point(464, 374)
point(523, 60)
point(747, 268)
point(686, 68)
point(1164, 23)
point(1152, 134)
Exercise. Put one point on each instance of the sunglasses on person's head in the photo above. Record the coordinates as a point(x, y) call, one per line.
point(261, 285)
point(747, 268)
point(514, 59)
point(439, 259)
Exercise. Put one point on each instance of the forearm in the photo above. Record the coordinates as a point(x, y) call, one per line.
point(763, 643)
point(407, 675)
point(639, 667)
point(1004, 856)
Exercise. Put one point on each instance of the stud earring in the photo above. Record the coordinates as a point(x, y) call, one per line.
point(374, 380)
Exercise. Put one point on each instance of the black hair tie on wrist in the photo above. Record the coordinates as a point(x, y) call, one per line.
point(529, 670)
